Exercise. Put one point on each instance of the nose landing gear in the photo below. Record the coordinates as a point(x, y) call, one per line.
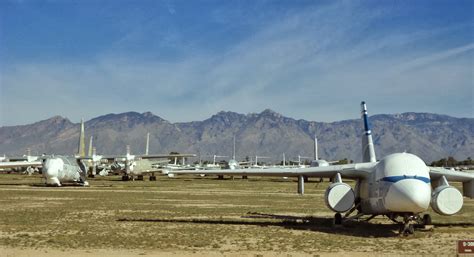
point(407, 227)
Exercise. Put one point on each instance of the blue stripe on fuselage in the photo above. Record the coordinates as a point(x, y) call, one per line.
point(394, 179)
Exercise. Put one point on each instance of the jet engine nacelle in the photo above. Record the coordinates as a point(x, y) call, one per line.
point(339, 197)
point(446, 200)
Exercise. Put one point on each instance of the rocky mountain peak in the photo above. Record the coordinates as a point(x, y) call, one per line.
point(269, 133)
point(130, 118)
point(54, 121)
point(270, 113)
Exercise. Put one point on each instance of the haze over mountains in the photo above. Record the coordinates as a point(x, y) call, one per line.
point(430, 136)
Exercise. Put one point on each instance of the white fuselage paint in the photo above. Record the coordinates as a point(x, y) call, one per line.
point(233, 164)
point(400, 183)
point(61, 169)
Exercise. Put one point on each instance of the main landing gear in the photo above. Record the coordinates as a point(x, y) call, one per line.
point(337, 219)
point(407, 226)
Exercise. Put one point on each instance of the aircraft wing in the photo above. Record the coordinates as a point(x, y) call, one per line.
point(9, 165)
point(353, 171)
point(451, 175)
point(150, 156)
point(466, 177)
point(161, 156)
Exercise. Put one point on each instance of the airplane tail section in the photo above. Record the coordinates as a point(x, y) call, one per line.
point(316, 157)
point(368, 152)
point(147, 146)
point(81, 150)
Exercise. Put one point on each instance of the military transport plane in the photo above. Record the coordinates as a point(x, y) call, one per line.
point(137, 165)
point(398, 186)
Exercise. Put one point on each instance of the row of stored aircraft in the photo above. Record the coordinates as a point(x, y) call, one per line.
point(399, 186)
point(58, 169)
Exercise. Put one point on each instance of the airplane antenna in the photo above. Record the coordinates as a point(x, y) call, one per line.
point(147, 143)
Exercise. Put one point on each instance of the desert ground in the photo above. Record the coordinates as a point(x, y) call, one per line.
point(201, 216)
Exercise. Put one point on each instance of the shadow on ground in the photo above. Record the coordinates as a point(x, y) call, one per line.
point(307, 223)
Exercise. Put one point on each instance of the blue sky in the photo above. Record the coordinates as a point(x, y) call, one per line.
point(186, 60)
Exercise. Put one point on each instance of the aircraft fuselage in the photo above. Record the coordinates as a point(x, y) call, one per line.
point(399, 183)
point(61, 169)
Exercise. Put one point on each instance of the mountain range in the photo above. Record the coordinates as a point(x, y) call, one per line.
point(430, 136)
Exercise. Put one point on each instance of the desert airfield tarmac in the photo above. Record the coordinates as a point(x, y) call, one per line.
point(201, 216)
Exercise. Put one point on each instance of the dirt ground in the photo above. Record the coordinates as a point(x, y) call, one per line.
point(195, 216)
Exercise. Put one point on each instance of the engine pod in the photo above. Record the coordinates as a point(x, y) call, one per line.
point(446, 200)
point(339, 197)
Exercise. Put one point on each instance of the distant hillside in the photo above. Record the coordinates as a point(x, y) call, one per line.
point(431, 136)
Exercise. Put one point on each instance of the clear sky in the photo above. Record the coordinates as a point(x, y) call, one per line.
point(186, 60)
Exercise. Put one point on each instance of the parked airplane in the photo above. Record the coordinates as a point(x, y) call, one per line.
point(398, 186)
point(57, 169)
point(27, 163)
point(138, 165)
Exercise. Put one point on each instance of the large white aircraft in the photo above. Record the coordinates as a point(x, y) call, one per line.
point(399, 186)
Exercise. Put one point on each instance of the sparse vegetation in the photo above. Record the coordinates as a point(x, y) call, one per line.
point(201, 214)
point(451, 162)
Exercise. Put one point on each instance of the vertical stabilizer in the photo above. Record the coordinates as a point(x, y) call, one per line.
point(368, 152)
point(81, 151)
point(90, 147)
point(316, 157)
point(233, 151)
point(147, 143)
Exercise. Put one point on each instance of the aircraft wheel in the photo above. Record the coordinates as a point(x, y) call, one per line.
point(337, 219)
point(140, 177)
point(406, 229)
point(152, 178)
point(125, 178)
point(427, 219)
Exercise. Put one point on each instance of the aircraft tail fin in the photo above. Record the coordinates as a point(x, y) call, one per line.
point(368, 151)
point(81, 150)
point(147, 145)
point(90, 147)
point(233, 151)
point(316, 157)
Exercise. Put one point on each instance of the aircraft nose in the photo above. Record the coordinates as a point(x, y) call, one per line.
point(408, 195)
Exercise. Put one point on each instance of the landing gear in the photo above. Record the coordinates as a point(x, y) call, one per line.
point(152, 178)
point(427, 220)
point(337, 219)
point(126, 178)
point(406, 227)
point(220, 177)
point(140, 177)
